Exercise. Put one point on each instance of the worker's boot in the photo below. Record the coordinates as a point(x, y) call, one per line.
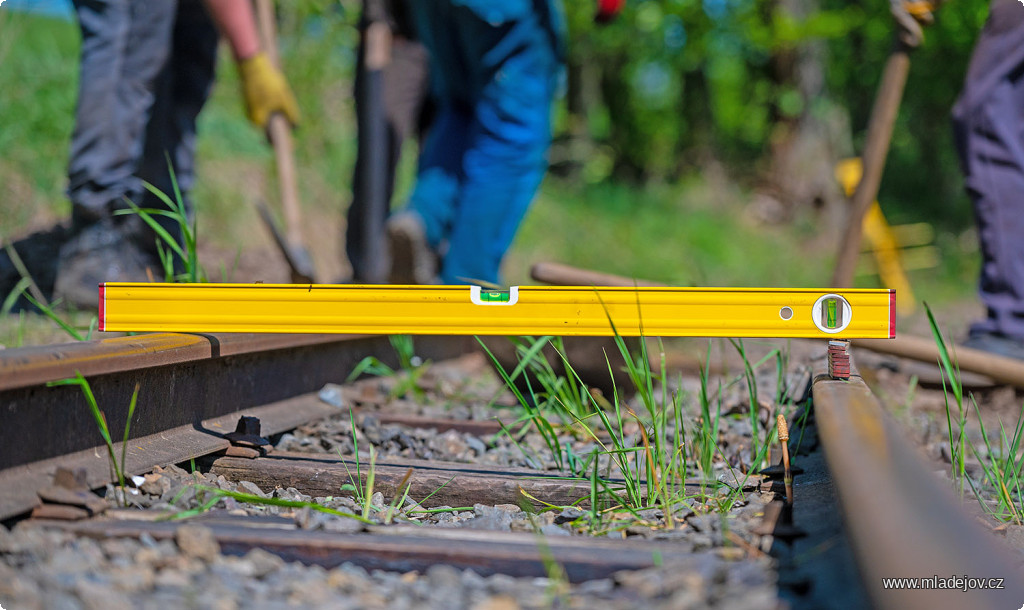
point(104, 251)
point(996, 343)
point(413, 261)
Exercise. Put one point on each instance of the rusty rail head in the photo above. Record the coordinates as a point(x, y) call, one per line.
point(33, 366)
point(184, 379)
point(902, 523)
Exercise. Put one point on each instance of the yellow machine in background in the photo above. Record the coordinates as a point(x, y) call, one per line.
point(894, 249)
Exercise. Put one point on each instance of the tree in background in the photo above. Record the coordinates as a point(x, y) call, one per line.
point(774, 90)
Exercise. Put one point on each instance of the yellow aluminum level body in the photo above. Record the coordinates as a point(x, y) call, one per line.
point(526, 310)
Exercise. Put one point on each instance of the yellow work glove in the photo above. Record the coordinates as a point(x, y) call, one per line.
point(266, 91)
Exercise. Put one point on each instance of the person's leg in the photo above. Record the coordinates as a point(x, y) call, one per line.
point(418, 233)
point(182, 89)
point(516, 68)
point(991, 145)
point(124, 46)
point(439, 170)
point(439, 173)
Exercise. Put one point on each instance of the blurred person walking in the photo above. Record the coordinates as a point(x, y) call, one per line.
point(146, 70)
point(494, 68)
point(988, 121)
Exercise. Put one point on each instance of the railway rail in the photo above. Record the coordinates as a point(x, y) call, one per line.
point(899, 520)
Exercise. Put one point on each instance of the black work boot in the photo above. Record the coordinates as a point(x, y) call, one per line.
point(102, 252)
point(413, 261)
point(996, 343)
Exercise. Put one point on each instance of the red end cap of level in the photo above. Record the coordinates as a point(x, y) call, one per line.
point(102, 322)
point(892, 313)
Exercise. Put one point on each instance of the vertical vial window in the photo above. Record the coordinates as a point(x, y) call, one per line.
point(831, 313)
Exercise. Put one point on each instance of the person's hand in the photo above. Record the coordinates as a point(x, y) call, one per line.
point(266, 91)
point(608, 9)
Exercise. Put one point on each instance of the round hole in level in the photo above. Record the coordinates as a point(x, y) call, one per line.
point(786, 313)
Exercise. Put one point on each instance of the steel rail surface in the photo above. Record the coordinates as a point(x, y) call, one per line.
point(186, 381)
point(901, 522)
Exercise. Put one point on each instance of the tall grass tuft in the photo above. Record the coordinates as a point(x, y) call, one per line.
point(167, 246)
point(117, 469)
point(1001, 467)
point(536, 406)
point(642, 455)
point(754, 403)
point(951, 383)
point(409, 363)
point(706, 438)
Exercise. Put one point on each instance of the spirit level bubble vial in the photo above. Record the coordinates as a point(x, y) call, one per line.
point(522, 310)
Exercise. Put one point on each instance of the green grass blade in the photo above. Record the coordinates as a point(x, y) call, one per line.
point(49, 313)
point(157, 228)
point(12, 297)
point(259, 500)
point(128, 426)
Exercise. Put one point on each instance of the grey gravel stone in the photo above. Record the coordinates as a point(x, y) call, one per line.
point(332, 395)
point(133, 578)
point(96, 596)
point(59, 600)
point(7, 544)
point(599, 586)
point(155, 484)
point(263, 562)
point(476, 444)
point(489, 518)
point(345, 525)
point(197, 541)
point(171, 579)
point(1015, 536)
point(251, 488)
point(569, 514)
point(180, 494)
point(554, 530)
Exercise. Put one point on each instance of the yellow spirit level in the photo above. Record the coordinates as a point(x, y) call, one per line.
point(526, 310)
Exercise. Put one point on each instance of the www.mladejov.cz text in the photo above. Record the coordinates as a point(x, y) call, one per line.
point(958, 583)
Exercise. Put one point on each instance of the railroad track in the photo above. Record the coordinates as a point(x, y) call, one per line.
point(898, 520)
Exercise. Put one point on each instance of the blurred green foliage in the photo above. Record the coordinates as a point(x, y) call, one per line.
point(668, 89)
point(658, 92)
point(682, 80)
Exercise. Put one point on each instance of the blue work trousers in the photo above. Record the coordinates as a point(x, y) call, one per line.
point(988, 125)
point(494, 75)
point(147, 67)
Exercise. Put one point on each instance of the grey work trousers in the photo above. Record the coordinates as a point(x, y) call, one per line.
point(988, 122)
point(147, 68)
